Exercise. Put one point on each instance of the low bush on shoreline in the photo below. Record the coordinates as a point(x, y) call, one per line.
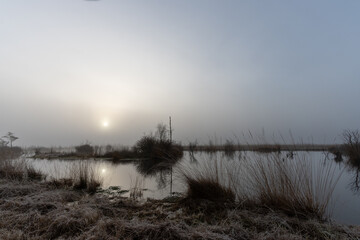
point(153, 148)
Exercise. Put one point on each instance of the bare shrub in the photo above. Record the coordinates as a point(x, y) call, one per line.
point(85, 150)
point(352, 146)
point(151, 147)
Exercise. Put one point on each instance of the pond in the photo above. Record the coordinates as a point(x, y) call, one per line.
point(155, 181)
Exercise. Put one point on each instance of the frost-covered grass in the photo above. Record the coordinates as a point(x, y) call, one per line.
point(296, 186)
point(18, 170)
point(34, 209)
point(85, 177)
point(39, 210)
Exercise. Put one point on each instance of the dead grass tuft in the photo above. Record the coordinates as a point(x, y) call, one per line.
point(209, 182)
point(84, 177)
point(297, 186)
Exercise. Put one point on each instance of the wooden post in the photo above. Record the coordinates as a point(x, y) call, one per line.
point(170, 131)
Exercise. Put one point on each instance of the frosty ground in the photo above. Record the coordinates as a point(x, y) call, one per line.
point(45, 210)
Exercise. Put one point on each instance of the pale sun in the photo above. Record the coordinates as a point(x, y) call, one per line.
point(105, 124)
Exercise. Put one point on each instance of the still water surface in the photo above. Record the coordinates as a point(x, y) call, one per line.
point(156, 182)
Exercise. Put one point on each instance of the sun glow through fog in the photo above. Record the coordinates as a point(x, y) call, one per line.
point(105, 123)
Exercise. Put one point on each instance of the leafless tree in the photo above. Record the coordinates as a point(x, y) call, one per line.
point(161, 132)
point(352, 137)
point(352, 146)
point(10, 137)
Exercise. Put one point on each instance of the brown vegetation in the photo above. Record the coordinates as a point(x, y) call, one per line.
point(290, 185)
point(208, 183)
point(35, 210)
point(84, 177)
point(287, 185)
point(53, 210)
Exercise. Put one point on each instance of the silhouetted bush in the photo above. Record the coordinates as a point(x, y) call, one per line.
point(151, 147)
point(352, 146)
point(84, 150)
point(120, 154)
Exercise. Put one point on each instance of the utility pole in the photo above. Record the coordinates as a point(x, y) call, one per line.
point(170, 131)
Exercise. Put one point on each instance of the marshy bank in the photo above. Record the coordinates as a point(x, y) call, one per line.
point(155, 176)
point(39, 210)
point(67, 208)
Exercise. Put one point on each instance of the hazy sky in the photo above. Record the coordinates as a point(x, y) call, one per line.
point(217, 67)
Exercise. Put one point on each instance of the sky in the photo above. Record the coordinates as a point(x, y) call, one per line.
point(219, 68)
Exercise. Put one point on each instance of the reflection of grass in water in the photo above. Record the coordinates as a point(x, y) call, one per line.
point(150, 167)
point(159, 168)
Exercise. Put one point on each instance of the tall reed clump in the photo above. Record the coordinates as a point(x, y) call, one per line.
point(85, 177)
point(211, 181)
point(14, 168)
point(297, 186)
point(137, 188)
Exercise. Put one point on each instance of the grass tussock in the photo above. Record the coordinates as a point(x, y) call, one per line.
point(209, 182)
point(297, 187)
point(84, 177)
point(294, 186)
point(209, 189)
point(137, 188)
point(19, 169)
